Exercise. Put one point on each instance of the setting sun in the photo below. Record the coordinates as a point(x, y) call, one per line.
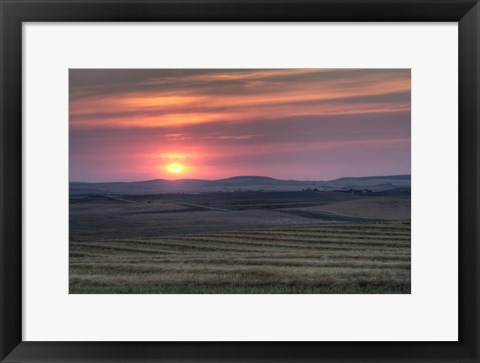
point(175, 168)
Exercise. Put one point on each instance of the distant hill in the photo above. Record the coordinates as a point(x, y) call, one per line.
point(238, 184)
point(374, 180)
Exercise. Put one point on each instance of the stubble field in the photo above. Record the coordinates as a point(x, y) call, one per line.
point(320, 258)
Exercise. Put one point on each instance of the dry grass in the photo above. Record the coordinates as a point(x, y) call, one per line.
point(333, 258)
point(375, 207)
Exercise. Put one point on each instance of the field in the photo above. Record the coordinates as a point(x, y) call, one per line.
point(334, 258)
point(139, 216)
point(241, 242)
point(375, 207)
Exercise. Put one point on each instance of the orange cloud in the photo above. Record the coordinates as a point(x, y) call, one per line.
point(266, 99)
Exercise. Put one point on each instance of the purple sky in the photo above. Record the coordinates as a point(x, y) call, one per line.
point(304, 124)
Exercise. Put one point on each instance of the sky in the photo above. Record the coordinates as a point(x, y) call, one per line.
point(301, 124)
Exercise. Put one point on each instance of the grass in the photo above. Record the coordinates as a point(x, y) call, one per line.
point(371, 258)
point(205, 289)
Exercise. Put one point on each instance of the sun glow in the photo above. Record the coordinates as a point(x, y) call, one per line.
point(175, 168)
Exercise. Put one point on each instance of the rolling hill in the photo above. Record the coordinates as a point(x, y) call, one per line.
point(238, 184)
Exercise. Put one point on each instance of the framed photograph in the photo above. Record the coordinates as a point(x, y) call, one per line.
point(240, 181)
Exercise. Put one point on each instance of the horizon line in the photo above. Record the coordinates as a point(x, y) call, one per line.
point(241, 176)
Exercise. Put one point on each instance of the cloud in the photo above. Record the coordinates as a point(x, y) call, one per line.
point(169, 97)
point(128, 122)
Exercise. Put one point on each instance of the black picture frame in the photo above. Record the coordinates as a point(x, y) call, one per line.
point(15, 12)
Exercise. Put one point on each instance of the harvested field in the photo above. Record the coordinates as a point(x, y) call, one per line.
point(140, 216)
point(322, 258)
point(376, 207)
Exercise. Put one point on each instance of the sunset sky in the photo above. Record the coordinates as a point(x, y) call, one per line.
point(303, 124)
